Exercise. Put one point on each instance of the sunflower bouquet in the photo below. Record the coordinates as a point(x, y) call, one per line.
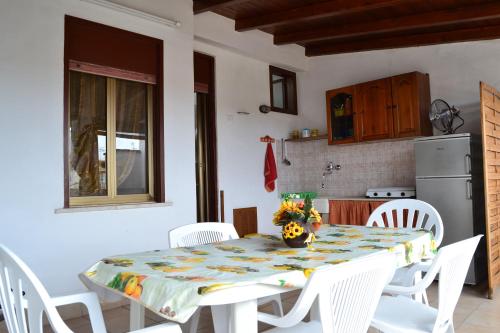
point(298, 220)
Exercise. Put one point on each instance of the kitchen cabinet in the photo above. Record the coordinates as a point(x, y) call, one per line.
point(411, 104)
point(375, 121)
point(341, 115)
point(352, 212)
point(394, 107)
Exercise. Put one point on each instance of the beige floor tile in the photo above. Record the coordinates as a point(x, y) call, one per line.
point(470, 328)
point(488, 318)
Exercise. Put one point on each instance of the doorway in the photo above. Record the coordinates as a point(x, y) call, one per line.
point(205, 138)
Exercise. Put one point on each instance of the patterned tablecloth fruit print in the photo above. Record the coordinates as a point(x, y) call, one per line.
point(172, 282)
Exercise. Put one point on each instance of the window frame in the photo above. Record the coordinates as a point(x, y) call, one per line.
point(289, 101)
point(141, 59)
point(112, 196)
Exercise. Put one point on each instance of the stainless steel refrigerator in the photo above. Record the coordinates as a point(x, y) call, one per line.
point(449, 176)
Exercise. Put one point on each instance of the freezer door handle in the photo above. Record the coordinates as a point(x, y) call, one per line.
point(468, 189)
point(468, 164)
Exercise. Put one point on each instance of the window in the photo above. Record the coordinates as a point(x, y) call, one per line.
point(283, 85)
point(110, 140)
point(113, 116)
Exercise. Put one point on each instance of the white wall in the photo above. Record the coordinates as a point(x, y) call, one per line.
point(455, 71)
point(218, 31)
point(242, 84)
point(59, 246)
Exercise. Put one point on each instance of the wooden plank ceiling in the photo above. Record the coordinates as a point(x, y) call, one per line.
point(342, 26)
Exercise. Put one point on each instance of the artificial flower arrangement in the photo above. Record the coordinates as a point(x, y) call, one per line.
point(299, 221)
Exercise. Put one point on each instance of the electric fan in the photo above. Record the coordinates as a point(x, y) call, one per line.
point(443, 116)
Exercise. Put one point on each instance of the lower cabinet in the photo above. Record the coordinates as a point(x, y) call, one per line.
point(353, 212)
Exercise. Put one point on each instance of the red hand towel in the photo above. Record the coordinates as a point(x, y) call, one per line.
point(270, 172)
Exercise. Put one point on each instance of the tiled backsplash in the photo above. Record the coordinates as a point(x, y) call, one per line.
point(364, 165)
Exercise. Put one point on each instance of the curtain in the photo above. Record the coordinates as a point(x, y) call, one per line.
point(88, 135)
point(354, 212)
point(86, 120)
point(131, 123)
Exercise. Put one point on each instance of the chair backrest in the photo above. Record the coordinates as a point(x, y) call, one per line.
point(24, 299)
point(410, 214)
point(348, 294)
point(201, 233)
point(452, 263)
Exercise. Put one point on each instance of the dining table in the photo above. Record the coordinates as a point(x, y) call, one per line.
point(230, 276)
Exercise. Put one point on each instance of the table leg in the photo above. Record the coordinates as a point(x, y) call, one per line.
point(220, 317)
point(244, 317)
point(136, 316)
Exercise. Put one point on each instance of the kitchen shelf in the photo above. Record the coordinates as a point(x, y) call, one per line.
point(311, 138)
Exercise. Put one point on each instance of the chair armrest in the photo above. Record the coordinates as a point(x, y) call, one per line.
point(161, 328)
point(422, 266)
point(90, 300)
point(87, 298)
point(419, 286)
point(271, 319)
point(400, 290)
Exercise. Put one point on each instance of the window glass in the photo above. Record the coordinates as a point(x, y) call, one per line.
point(283, 90)
point(87, 135)
point(278, 91)
point(131, 137)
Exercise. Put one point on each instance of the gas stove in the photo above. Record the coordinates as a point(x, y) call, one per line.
point(391, 192)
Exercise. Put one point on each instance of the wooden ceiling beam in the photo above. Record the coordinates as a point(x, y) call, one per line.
point(201, 6)
point(423, 20)
point(430, 38)
point(313, 11)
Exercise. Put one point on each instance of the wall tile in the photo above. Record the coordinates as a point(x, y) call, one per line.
point(363, 166)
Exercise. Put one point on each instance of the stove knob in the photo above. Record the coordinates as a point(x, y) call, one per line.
point(403, 194)
point(389, 194)
point(375, 194)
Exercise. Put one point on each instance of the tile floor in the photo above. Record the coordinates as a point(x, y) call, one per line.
point(474, 314)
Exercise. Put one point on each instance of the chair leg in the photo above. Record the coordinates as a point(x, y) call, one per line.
point(420, 297)
point(424, 296)
point(277, 305)
point(277, 309)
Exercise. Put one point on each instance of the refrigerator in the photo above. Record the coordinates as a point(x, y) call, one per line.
point(449, 176)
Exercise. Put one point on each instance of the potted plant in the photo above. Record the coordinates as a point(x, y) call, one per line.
point(299, 221)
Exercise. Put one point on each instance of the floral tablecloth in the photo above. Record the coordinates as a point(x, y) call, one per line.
point(172, 282)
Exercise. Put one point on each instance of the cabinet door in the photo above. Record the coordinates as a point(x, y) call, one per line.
point(405, 105)
point(340, 109)
point(374, 102)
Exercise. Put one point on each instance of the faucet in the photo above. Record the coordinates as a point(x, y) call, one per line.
point(328, 171)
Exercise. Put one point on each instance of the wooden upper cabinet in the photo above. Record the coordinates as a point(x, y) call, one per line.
point(341, 116)
point(374, 110)
point(411, 103)
point(393, 107)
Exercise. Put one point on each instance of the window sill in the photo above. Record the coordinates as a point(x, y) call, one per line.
point(81, 209)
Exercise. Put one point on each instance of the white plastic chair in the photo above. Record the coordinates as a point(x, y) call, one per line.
point(206, 233)
point(347, 294)
point(24, 300)
point(201, 233)
point(402, 314)
point(420, 215)
point(426, 216)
